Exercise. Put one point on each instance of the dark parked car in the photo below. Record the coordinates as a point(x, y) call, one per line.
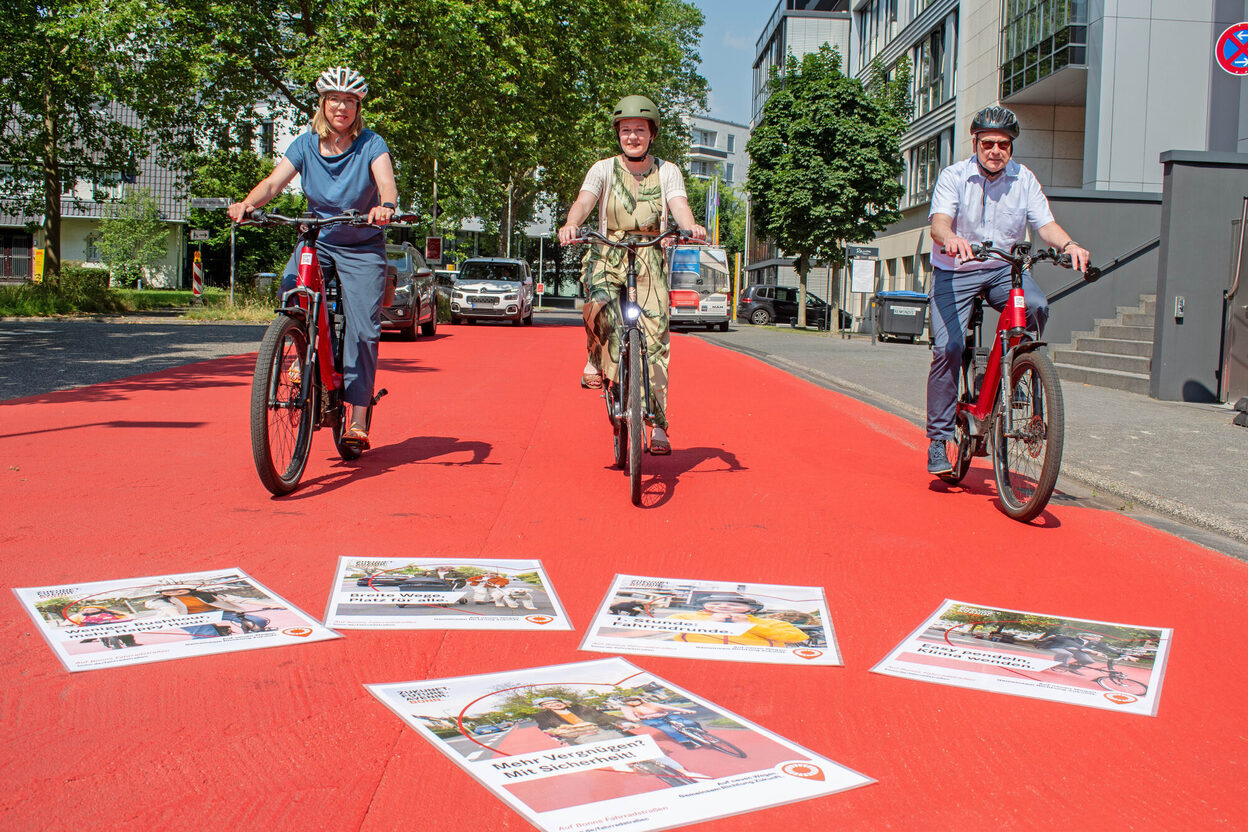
point(414, 305)
point(428, 584)
point(760, 304)
point(383, 580)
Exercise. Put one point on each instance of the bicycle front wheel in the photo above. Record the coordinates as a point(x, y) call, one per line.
point(1119, 683)
point(1026, 460)
point(281, 419)
point(633, 415)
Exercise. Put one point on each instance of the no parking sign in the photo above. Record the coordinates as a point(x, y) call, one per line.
point(1231, 51)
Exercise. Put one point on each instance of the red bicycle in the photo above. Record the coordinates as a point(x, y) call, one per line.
point(1013, 404)
point(297, 387)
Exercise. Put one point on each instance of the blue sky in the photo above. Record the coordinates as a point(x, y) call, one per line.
point(727, 49)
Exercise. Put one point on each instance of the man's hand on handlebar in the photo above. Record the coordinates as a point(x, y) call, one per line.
point(1080, 257)
point(959, 248)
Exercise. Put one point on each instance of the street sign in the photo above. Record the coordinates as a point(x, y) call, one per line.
point(198, 235)
point(433, 250)
point(1231, 51)
point(862, 252)
point(210, 203)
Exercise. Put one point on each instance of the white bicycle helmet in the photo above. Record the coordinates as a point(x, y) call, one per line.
point(342, 79)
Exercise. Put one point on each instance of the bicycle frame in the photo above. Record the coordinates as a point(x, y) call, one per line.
point(310, 293)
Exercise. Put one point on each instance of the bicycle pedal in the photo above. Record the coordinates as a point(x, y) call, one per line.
point(382, 393)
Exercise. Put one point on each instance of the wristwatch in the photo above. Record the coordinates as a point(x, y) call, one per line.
point(390, 205)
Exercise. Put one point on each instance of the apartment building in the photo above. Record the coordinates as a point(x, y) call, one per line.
point(796, 27)
point(718, 148)
point(1102, 88)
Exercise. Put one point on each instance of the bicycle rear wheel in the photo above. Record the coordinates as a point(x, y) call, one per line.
point(958, 448)
point(1026, 463)
point(633, 415)
point(281, 420)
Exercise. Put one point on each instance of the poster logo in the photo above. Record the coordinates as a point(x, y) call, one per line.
point(1121, 698)
point(539, 619)
point(302, 632)
point(804, 770)
point(807, 653)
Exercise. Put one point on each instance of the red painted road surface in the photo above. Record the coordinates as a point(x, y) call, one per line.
point(487, 446)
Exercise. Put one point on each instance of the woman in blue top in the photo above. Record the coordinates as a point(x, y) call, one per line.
point(342, 167)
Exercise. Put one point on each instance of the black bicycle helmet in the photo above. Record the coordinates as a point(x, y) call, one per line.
point(997, 119)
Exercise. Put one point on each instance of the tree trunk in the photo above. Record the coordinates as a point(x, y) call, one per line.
point(803, 269)
point(51, 181)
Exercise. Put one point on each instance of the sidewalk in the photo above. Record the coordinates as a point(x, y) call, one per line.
point(1186, 462)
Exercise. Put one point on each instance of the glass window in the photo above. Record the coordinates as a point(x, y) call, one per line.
point(732, 143)
point(728, 172)
point(1039, 37)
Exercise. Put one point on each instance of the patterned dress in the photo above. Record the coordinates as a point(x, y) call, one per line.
point(633, 205)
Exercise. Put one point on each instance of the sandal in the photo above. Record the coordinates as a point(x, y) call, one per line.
point(659, 443)
point(591, 381)
point(355, 436)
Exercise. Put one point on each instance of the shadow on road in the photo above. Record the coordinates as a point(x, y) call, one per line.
point(658, 488)
point(386, 458)
point(980, 482)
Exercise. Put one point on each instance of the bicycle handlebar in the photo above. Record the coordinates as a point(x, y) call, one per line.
point(585, 234)
point(1020, 255)
point(262, 217)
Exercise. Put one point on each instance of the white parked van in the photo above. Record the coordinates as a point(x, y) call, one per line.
point(698, 281)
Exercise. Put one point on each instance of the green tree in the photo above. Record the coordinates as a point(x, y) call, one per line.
point(231, 174)
point(731, 214)
point(58, 119)
point(133, 236)
point(825, 163)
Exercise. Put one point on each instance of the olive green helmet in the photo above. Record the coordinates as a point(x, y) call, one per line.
point(636, 106)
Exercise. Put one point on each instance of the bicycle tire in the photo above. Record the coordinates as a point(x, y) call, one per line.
point(1026, 468)
point(666, 773)
point(349, 451)
point(634, 416)
point(958, 449)
point(1122, 685)
point(709, 740)
point(281, 422)
point(619, 432)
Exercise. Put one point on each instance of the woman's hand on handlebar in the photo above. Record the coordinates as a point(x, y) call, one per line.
point(240, 211)
point(568, 233)
point(381, 215)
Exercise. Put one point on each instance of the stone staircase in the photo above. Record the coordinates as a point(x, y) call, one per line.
point(1118, 354)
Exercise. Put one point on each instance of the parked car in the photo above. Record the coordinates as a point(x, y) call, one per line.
point(760, 305)
point(492, 288)
point(444, 282)
point(383, 580)
point(413, 305)
point(420, 583)
point(488, 729)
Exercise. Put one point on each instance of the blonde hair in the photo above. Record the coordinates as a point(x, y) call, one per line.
point(321, 124)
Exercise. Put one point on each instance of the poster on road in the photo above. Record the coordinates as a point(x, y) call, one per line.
point(443, 594)
point(766, 623)
point(1098, 664)
point(141, 620)
point(603, 745)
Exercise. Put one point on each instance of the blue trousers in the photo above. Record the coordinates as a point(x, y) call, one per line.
point(362, 275)
point(951, 297)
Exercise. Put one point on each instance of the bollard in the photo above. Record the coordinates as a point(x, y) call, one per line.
point(197, 282)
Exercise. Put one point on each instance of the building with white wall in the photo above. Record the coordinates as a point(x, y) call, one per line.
point(717, 147)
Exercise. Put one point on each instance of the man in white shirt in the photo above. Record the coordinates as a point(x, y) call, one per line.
point(986, 197)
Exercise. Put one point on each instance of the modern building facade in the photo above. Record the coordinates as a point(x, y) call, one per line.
point(718, 148)
point(796, 27)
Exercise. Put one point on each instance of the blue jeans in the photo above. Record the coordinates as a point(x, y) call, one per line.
point(951, 297)
point(362, 276)
point(663, 723)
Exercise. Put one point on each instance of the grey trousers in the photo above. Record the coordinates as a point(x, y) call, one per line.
point(362, 273)
point(950, 303)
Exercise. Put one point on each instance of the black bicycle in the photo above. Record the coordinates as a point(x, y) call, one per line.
point(628, 394)
point(1113, 680)
point(298, 387)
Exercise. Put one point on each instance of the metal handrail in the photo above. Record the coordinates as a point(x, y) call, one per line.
point(1121, 260)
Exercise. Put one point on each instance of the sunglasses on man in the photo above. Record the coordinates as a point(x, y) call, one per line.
point(989, 144)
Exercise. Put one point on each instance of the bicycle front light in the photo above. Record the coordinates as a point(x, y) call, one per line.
point(632, 312)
